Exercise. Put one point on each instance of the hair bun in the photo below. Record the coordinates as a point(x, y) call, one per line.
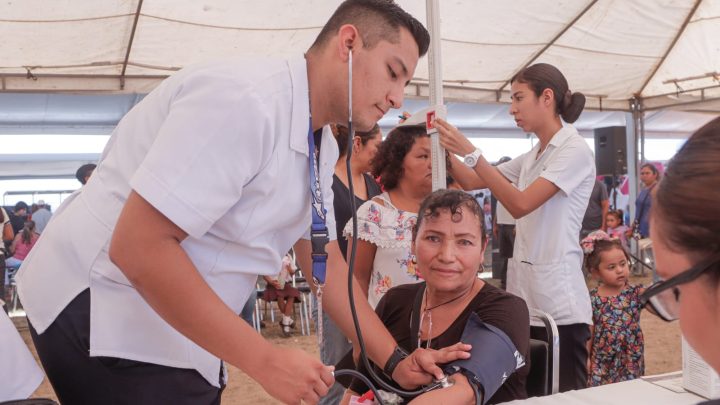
point(573, 104)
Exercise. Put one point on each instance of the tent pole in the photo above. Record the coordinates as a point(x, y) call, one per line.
point(436, 90)
point(632, 120)
point(130, 43)
point(643, 159)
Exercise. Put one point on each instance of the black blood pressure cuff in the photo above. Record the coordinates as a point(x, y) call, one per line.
point(493, 358)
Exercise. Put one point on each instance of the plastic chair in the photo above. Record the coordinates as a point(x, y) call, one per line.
point(543, 378)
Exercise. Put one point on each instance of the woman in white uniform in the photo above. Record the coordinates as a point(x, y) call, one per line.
point(554, 181)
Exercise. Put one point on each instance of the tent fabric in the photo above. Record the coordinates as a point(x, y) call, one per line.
point(611, 50)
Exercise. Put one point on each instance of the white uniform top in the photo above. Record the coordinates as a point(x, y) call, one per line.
point(222, 151)
point(19, 375)
point(502, 215)
point(546, 267)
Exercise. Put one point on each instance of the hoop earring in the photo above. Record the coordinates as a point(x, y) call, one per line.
point(482, 268)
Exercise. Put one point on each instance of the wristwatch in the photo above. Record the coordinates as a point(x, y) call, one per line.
point(471, 159)
point(396, 357)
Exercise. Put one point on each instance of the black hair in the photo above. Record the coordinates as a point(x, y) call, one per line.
point(341, 136)
point(375, 20)
point(541, 76)
point(20, 205)
point(593, 259)
point(456, 201)
point(388, 162)
point(84, 171)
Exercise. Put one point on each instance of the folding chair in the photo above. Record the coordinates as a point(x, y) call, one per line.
point(543, 378)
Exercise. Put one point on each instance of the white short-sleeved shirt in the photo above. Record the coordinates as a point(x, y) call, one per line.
point(390, 229)
point(222, 151)
point(19, 375)
point(546, 267)
point(503, 216)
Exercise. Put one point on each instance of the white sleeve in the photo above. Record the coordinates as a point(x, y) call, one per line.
point(511, 170)
point(570, 166)
point(214, 140)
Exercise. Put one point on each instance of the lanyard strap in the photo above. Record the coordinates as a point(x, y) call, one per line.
point(319, 235)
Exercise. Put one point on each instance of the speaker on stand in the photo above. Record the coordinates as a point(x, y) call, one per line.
point(611, 155)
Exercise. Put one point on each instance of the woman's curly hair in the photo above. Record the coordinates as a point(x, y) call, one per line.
point(387, 166)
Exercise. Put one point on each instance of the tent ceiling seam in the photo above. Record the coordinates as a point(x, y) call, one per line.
point(130, 43)
point(670, 48)
point(460, 41)
point(105, 17)
point(605, 52)
point(227, 27)
point(552, 41)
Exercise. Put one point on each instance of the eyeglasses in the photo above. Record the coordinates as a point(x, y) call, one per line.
point(663, 297)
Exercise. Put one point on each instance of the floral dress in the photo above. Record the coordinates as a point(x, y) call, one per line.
point(617, 343)
point(390, 230)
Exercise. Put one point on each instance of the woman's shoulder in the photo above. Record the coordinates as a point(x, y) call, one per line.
point(403, 291)
point(490, 296)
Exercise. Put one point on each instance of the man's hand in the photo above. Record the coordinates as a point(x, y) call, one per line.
point(421, 366)
point(294, 377)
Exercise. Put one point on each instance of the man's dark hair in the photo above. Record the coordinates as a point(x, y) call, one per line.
point(375, 20)
point(84, 171)
point(20, 205)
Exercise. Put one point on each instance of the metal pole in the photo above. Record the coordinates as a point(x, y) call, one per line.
point(641, 114)
point(436, 91)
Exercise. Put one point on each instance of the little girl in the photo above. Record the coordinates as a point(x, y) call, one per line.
point(615, 227)
point(616, 343)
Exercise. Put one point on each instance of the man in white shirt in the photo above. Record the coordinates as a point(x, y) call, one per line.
point(134, 289)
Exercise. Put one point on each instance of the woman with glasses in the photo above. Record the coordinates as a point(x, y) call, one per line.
point(686, 237)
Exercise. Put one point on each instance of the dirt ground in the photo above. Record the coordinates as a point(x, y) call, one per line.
point(662, 354)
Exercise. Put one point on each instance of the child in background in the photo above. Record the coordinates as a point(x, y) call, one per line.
point(615, 227)
point(616, 340)
point(280, 289)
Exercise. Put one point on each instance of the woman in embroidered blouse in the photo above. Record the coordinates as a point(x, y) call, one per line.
point(385, 223)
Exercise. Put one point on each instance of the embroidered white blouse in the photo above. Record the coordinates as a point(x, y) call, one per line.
point(390, 229)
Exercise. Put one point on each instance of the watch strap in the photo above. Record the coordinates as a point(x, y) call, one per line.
point(398, 355)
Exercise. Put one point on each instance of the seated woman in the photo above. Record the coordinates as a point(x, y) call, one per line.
point(280, 289)
point(22, 244)
point(448, 243)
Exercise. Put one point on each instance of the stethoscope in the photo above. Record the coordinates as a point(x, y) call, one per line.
point(444, 382)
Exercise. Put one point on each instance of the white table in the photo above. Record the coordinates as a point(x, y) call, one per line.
point(635, 392)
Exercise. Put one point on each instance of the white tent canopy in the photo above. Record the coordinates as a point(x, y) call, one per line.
point(104, 54)
point(665, 52)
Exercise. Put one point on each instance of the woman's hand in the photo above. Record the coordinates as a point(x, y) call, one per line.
point(452, 139)
point(421, 366)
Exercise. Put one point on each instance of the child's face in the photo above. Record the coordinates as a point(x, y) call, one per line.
point(612, 221)
point(614, 269)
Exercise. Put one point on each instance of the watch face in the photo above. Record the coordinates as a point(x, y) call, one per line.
point(470, 160)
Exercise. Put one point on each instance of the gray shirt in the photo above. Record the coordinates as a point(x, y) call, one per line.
point(41, 218)
point(593, 215)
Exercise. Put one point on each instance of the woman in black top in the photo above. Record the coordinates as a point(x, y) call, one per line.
point(364, 148)
point(448, 242)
